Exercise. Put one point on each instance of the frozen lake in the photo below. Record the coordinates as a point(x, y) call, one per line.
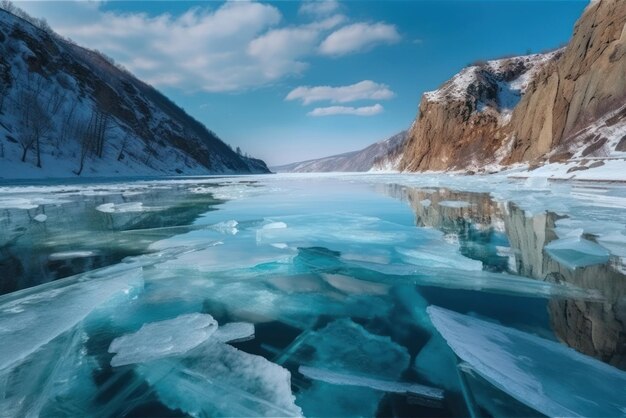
point(315, 295)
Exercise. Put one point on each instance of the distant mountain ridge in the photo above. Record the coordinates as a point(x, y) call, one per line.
point(372, 157)
point(67, 111)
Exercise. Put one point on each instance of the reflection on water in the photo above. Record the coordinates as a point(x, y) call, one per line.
point(505, 238)
point(76, 237)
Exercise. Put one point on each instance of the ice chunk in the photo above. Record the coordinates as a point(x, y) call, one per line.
point(577, 252)
point(352, 285)
point(41, 217)
point(234, 332)
point(162, 339)
point(345, 379)
point(545, 375)
point(122, 207)
point(33, 317)
point(455, 204)
point(216, 379)
point(67, 255)
point(226, 227)
point(426, 202)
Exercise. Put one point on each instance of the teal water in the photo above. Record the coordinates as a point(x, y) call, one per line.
point(335, 274)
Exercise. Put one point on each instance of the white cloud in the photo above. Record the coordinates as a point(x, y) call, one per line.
point(319, 7)
point(347, 110)
point(364, 90)
point(215, 48)
point(279, 50)
point(357, 37)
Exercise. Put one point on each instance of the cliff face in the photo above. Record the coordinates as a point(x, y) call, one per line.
point(584, 84)
point(461, 124)
point(526, 109)
point(66, 110)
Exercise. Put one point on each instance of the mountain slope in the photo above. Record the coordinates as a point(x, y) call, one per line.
point(567, 106)
point(66, 111)
point(372, 157)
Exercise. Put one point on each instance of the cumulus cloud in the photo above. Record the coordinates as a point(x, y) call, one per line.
point(357, 37)
point(347, 110)
point(364, 90)
point(233, 46)
point(202, 49)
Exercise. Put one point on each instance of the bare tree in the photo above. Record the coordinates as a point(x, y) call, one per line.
point(5, 83)
point(67, 123)
point(105, 100)
point(38, 114)
point(84, 134)
point(120, 155)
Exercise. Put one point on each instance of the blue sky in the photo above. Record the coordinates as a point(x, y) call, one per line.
point(289, 81)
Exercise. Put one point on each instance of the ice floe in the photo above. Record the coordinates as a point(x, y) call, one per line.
point(344, 379)
point(216, 379)
point(162, 339)
point(122, 207)
point(577, 252)
point(549, 377)
point(41, 218)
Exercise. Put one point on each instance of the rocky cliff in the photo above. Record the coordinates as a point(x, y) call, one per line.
point(564, 105)
point(67, 111)
point(584, 85)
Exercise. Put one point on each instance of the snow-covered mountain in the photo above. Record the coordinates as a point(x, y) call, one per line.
point(374, 157)
point(68, 111)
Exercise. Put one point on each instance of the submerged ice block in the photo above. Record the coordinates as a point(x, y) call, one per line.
point(346, 349)
point(33, 317)
point(547, 376)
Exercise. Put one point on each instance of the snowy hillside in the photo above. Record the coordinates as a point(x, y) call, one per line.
point(364, 160)
point(68, 111)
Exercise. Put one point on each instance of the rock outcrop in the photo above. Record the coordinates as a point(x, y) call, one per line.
point(461, 124)
point(532, 108)
point(583, 85)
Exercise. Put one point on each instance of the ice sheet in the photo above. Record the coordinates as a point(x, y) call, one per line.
point(63, 304)
point(545, 375)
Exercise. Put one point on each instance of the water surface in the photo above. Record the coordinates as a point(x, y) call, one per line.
point(335, 272)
